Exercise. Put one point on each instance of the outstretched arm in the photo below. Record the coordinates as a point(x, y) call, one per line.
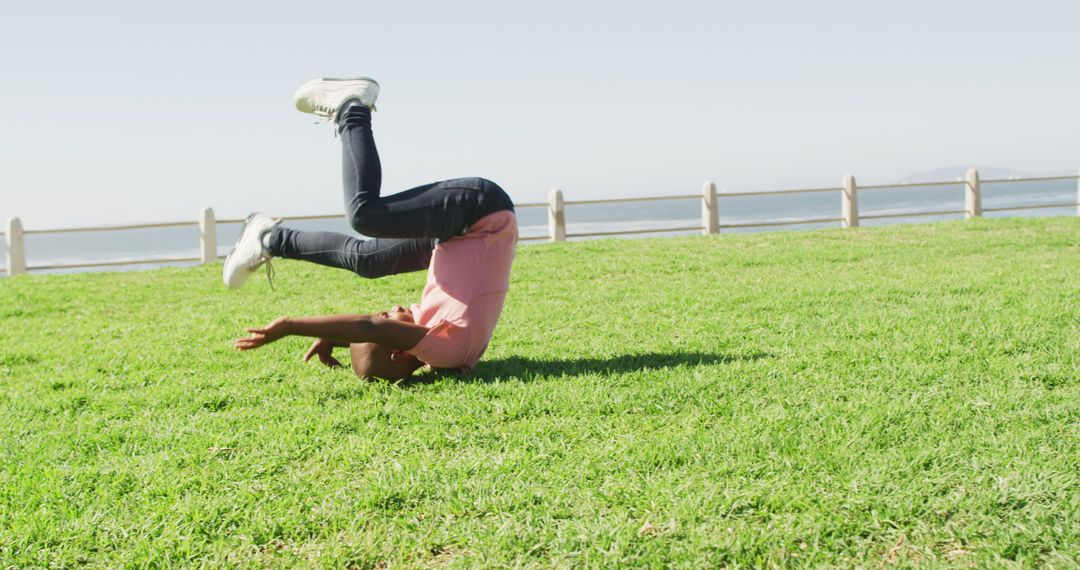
point(343, 329)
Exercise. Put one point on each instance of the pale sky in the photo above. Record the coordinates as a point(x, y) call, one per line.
point(146, 111)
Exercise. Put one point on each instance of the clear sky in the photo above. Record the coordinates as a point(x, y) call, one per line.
point(146, 111)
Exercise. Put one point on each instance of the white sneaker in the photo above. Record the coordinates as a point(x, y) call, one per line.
point(324, 97)
point(248, 254)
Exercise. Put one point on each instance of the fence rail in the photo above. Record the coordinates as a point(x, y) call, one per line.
point(912, 214)
point(632, 232)
point(911, 185)
point(625, 200)
point(777, 192)
point(1029, 179)
point(849, 217)
point(1036, 207)
point(115, 263)
point(777, 223)
point(112, 228)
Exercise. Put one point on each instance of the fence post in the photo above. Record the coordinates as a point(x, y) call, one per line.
point(849, 203)
point(207, 236)
point(710, 209)
point(972, 196)
point(16, 247)
point(556, 216)
point(1078, 197)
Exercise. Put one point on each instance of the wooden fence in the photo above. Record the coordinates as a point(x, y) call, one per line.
point(556, 206)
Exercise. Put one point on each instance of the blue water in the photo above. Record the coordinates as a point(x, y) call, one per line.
point(46, 249)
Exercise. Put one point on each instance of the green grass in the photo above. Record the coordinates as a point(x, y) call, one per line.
point(906, 395)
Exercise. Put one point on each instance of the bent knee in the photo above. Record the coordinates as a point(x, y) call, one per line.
point(367, 271)
point(360, 221)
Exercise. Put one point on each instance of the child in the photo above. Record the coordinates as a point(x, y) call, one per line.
point(463, 231)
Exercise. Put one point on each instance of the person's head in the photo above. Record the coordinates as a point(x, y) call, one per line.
point(375, 361)
point(370, 360)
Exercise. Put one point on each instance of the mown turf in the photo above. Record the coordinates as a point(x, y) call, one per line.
point(905, 395)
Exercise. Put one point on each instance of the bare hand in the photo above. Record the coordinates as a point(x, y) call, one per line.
point(324, 349)
point(263, 336)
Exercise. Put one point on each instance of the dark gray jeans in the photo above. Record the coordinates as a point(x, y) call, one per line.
point(404, 226)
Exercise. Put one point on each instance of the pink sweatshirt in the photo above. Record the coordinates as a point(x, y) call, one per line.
point(466, 286)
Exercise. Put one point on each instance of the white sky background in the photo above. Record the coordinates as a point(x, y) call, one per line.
point(146, 111)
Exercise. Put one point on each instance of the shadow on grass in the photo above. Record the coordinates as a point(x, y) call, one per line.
point(527, 369)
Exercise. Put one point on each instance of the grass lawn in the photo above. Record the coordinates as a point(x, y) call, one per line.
point(906, 395)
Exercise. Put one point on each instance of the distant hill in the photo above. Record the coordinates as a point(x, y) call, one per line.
point(985, 172)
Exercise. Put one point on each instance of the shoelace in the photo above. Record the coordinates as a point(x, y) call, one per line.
point(270, 272)
point(325, 116)
point(267, 258)
point(327, 119)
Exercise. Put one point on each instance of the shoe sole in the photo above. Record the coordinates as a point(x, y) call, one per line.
point(243, 228)
point(349, 79)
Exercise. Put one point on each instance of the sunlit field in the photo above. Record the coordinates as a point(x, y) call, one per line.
point(906, 395)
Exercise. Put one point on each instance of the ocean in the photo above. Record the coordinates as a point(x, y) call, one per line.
point(50, 249)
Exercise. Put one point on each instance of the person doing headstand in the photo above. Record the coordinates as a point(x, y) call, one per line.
point(463, 231)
